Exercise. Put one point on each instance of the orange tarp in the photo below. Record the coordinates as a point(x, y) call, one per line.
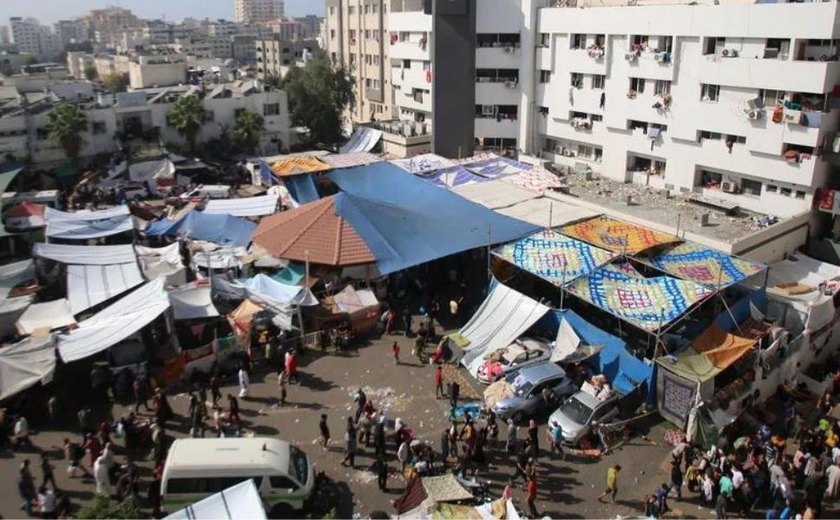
point(298, 166)
point(722, 348)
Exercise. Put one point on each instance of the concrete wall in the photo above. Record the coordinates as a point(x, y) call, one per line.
point(156, 74)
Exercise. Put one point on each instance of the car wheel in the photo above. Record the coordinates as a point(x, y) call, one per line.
point(282, 511)
point(518, 417)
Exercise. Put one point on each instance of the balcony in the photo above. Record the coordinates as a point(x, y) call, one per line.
point(793, 76)
point(409, 50)
point(587, 62)
point(648, 64)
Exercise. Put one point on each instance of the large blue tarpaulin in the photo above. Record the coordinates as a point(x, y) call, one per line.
point(302, 188)
point(406, 221)
point(225, 230)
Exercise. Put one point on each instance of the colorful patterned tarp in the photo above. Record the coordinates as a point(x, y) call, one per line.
point(702, 265)
point(554, 257)
point(648, 303)
point(452, 177)
point(426, 162)
point(298, 165)
point(617, 235)
point(349, 160)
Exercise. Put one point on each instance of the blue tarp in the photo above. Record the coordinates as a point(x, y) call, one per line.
point(265, 174)
point(406, 221)
point(225, 230)
point(292, 274)
point(302, 188)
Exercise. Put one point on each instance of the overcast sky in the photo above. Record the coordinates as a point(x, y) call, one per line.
point(48, 11)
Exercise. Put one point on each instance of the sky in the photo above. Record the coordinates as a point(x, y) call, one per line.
point(48, 11)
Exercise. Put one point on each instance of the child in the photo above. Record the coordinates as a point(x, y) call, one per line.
point(395, 349)
point(325, 431)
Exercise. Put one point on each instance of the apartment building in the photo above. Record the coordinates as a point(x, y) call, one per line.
point(32, 38)
point(108, 24)
point(250, 11)
point(275, 56)
point(355, 37)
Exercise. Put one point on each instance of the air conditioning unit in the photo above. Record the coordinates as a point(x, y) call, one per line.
point(728, 187)
point(488, 110)
point(657, 56)
point(631, 56)
point(754, 114)
point(729, 53)
point(793, 117)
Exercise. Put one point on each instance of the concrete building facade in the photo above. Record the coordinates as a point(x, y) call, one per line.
point(250, 11)
point(275, 56)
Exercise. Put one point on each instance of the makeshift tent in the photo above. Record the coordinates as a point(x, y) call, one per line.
point(85, 255)
point(6, 178)
point(495, 194)
point(14, 274)
point(262, 288)
point(298, 165)
point(41, 318)
point(503, 316)
point(426, 162)
point(152, 170)
point(240, 321)
point(247, 207)
point(352, 300)
point(25, 364)
point(556, 258)
point(313, 232)
point(89, 285)
point(239, 501)
point(12, 304)
point(348, 160)
point(451, 177)
point(536, 179)
point(405, 221)
point(25, 215)
point(495, 166)
point(302, 188)
point(705, 266)
point(547, 213)
point(115, 323)
point(84, 225)
point(192, 302)
point(211, 256)
point(225, 230)
point(160, 261)
point(807, 286)
point(648, 303)
point(364, 139)
point(617, 235)
point(292, 274)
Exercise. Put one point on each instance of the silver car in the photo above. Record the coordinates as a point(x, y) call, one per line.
point(577, 413)
point(527, 387)
point(519, 354)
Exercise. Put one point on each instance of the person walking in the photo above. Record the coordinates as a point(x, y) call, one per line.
point(47, 471)
point(140, 395)
point(534, 439)
point(349, 444)
point(439, 382)
point(26, 487)
point(325, 431)
point(215, 391)
point(282, 381)
point(512, 433)
point(291, 367)
point(555, 440)
point(395, 351)
point(233, 411)
point(677, 478)
point(21, 433)
point(382, 473)
point(100, 474)
point(244, 382)
point(361, 400)
point(455, 393)
point(612, 484)
point(531, 493)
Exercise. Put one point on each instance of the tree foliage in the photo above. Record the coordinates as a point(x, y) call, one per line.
point(103, 507)
point(90, 72)
point(66, 124)
point(187, 117)
point(247, 129)
point(318, 95)
point(116, 82)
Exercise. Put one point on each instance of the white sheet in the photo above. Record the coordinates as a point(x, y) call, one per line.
point(85, 255)
point(148, 170)
point(362, 140)
point(115, 323)
point(567, 342)
point(26, 363)
point(192, 303)
point(503, 316)
point(83, 225)
point(44, 317)
point(350, 300)
point(248, 207)
point(159, 261)
point(801, 269)
point(13, 274)
point(423, 163)
point(89, 285)
point(495, 194)
point(239, 501)
point(219, 258)
point(547, 212)
point(273, 293)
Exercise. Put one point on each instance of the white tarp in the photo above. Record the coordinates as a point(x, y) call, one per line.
point(215, 257)
point(13, 274)
point(85, 255)
point(191, 303)
point(426, 162)
point(44, 317)
point(547, 212)
point(239, 501)
point(362, 140)
point(351, 300)
point(26, 363)
point(495, 194)
point(503, 316)
point(159, 261)
point(248, 207)
point(89, 285)
point(148, 170)
point(815, 306)
point(567, 342)
point(83, 225)
point(115, 323)
point(276, 294)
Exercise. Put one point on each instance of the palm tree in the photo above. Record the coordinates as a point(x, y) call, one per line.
point(66, 124)
point(247, 129)
point(187, 116)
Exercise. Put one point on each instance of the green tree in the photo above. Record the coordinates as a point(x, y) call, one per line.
point(103, 507)
point(66, 124)
point(116, 82)
point(90, 72)
point(186, 117)
point(247, 129)
point(319, 93)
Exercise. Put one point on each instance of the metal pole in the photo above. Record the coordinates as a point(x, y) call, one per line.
point(550, 214)
point(306, 269)
point(563, 285)
point(489, 242)
point(679, 218)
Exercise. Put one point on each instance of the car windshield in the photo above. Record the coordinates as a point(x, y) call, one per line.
point(576, 410)
point(298, 465)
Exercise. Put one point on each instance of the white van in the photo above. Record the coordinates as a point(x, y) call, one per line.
point(197, 468)
point(211, 191)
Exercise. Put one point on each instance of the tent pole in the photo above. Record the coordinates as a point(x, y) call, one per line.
point(550, 214)
point(725, 306)
point(563, 286)
point(489, 242)
point(306, 269)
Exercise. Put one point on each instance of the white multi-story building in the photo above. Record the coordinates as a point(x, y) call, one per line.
point(26, 35)
point(250, 11)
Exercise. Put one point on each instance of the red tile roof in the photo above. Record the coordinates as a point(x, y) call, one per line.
point(315, 232)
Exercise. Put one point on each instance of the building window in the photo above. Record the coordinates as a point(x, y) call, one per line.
point(714, 136)
point(98, 127)
point(751, 187)
point(598, 81)
point(545, 39)
point(238, 112)
point(710, 93)
point(771, 188)
point(578, 41)
point(544, 111)
point(209, 115)
point(771, 97)
point(332, 10)
point(800, 194)
point(351, 9)
point(577, 79)
point(545, 76)
point(662, 87)
point(785, 191)
point(271, 109)
point(637, 85)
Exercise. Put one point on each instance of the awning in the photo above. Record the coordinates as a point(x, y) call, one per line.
point(298, 165)
point(85, 255)
point(213, 257)
point(617, 235)
point(495, 194)
point(536, 179)
point(301, 188)
point(189, 303)
point(247, 207)
point(148, 170)
point(263, 288)
point(364, 139)
point(83, 225)
point(41, 318)
point(89, 285)
point(239, 501)
point(702, 265)
point(352, 300)
point(497, 167)
point(225, 230)
point(547, 213)
point(451, 177)
point(13, 274)
point(115, 323)
point(503, 316)
point(25, 364)
point(6, 178)
point(348, 160)
point(426, 162)
point(159, 261)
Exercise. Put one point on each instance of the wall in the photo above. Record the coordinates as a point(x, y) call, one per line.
point(159, 74)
